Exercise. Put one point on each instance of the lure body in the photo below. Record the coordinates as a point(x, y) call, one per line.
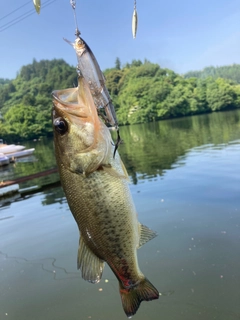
point(90, 70)
point(37, 5)
point(134, 22)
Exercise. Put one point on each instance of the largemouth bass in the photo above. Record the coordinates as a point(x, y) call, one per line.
point(97, 191)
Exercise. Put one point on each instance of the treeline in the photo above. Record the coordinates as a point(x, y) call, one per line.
point(141, 92)
point(26, 103)
point(144, 92)
point(231, 72)
point(4, 81)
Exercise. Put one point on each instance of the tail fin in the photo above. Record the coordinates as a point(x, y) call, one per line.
point(132, 297)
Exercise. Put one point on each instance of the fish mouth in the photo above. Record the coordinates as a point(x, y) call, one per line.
point(76, 105)
point(66, 96)
point(67, 100)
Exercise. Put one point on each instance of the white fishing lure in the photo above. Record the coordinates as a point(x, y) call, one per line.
point(134, 21)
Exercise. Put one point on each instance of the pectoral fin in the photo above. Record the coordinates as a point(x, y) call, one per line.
point(113, 172)
point(91, 266)
point(124, 170)
point(146, 234)
point(120, 172)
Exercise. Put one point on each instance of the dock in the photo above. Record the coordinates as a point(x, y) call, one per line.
point(12, 186)
point(9, 190)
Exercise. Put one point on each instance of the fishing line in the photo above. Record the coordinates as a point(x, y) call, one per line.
point(14, 11)
point(23, 16)
point(42, 264)
point(16, 19)
point(73, 4)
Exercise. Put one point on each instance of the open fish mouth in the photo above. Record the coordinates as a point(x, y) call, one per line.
point(67, 100)
point(66, 96)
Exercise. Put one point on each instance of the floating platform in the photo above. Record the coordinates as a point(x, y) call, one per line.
point(27, 178)
point(9, 190)
point(11, 187)
point(4, 160)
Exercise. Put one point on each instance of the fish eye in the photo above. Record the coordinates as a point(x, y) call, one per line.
point(60, 125)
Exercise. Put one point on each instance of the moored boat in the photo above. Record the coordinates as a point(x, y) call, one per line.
point(19, 154)
point(4, 160)
point(6, 149)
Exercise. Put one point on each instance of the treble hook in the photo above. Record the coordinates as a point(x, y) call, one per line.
point(118, 142)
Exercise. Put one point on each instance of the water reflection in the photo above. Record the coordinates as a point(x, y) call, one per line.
point(150, 149)
point(6, 202)
point(50, 196)
point(43, 159)
point(186, 174)
point(56, 195)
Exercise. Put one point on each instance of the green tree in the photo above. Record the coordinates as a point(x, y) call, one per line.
point(220, 95)
point(19, 121)
point(231, 72)
point(117, 64)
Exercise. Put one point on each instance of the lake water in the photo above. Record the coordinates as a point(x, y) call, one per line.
point(185, 181)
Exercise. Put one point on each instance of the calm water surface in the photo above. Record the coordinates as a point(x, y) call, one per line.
point(185, 181)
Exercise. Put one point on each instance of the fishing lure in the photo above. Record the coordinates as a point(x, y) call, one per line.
point(89, 68)
point(37, 5)
point(134, 20)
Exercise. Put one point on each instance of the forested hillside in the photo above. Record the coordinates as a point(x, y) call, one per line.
point(141, 92)
point(26, 102)
point(145, 92)
point(227, 72)
point(4, 81)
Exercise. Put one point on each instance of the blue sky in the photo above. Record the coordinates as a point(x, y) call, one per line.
point(182, 35)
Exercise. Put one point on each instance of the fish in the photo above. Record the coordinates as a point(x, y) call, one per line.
point(88, 66)
point(134, 23)
point(97, 191)
point(37, 5)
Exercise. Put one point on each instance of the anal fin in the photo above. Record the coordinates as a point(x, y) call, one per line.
point(91, 266)
point(146, 235)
